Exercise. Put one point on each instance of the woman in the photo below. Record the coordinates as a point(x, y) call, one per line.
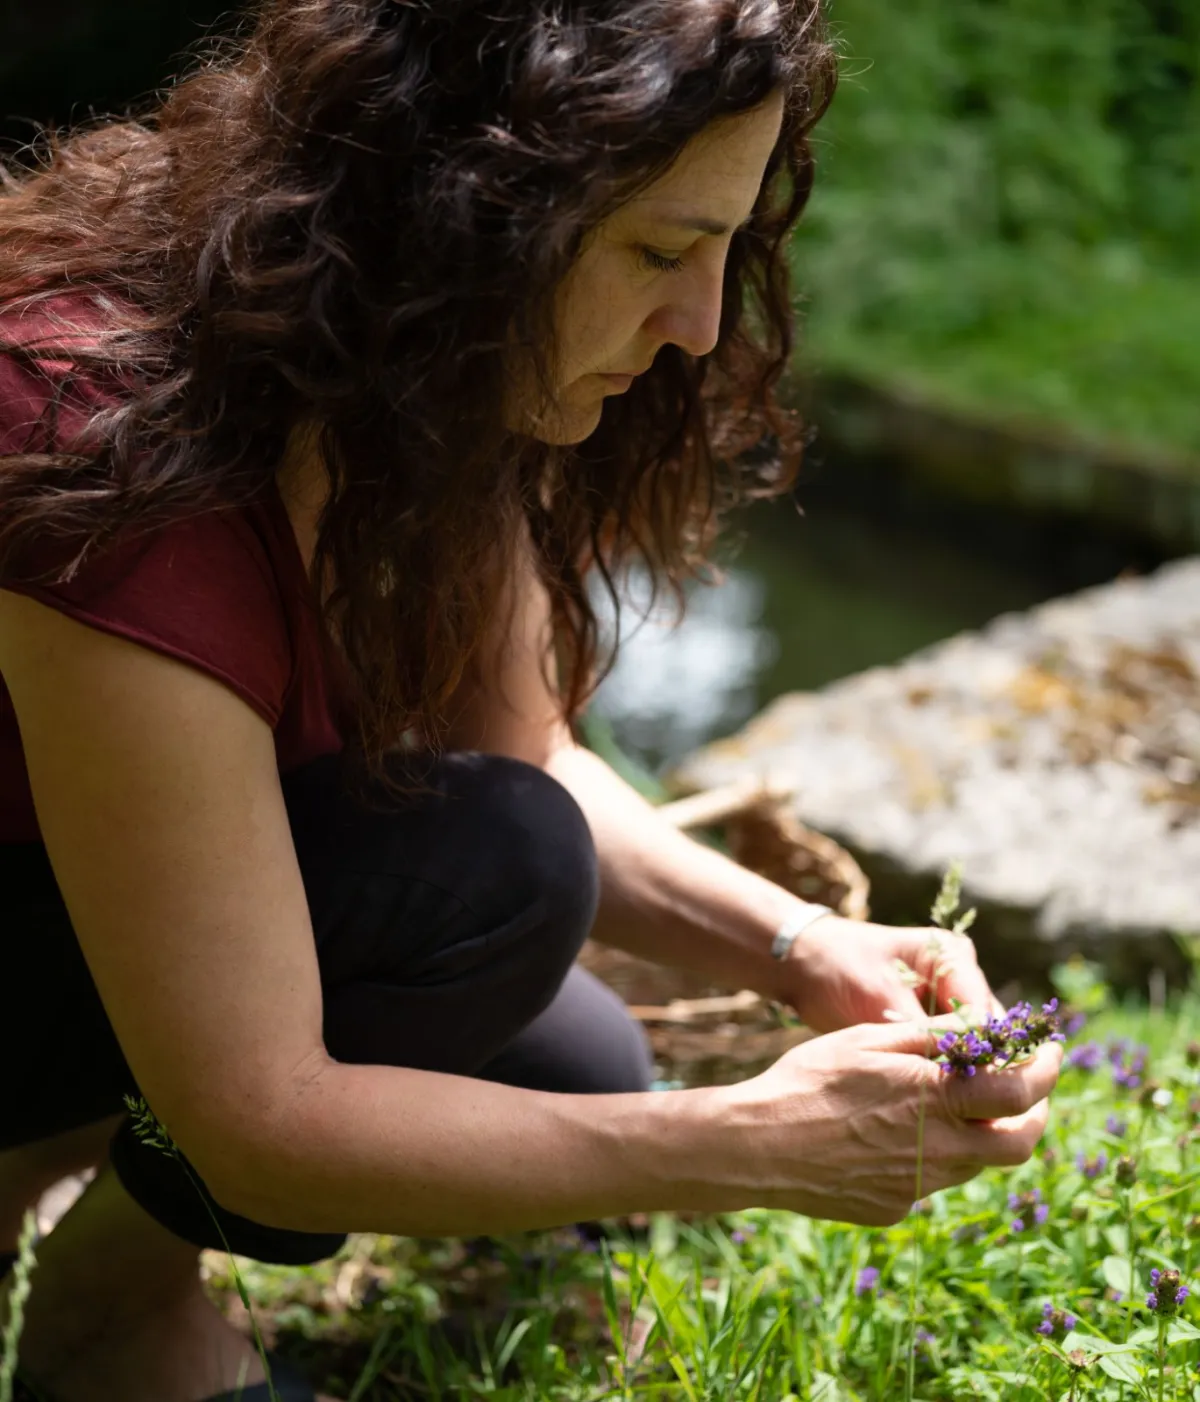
point(322, 393)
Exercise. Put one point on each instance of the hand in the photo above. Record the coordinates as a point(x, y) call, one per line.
point(830, 1130)
point(843, 972)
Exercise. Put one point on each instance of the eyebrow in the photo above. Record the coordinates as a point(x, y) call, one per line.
point(695, 223)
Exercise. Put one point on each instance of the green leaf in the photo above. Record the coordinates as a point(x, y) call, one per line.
point(1124, 1370)
point(1091, 1344)
point(1118, 1274)
point(1181, 1329)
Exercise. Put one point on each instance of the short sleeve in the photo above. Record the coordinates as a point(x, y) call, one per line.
point(201, 590)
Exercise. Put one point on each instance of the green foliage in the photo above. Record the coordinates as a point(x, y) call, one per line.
point(766, 1306)
point(1007, 209)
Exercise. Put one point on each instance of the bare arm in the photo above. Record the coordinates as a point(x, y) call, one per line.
point(663, 895)
point(159, 802)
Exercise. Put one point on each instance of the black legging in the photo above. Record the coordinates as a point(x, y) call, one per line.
point(446, 927)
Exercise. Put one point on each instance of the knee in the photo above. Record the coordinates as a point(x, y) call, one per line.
point(548, 856)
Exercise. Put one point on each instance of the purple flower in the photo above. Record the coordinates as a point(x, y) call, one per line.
point(1030, 1210)
point(1115, 1127)
point(924, 1339)
point(965, 1052)
point(866, 1281)
point(738, 1238)
point(1166, 1293)
point(1128, 1062)
point(1086, 1056)
point(999, 1040)
point(1075, 1023)
point(1055, 1323)
point(1091, 1168)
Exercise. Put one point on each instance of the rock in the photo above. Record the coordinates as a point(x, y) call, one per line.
point(1056, 753)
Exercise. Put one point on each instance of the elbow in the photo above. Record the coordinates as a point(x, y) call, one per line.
point(253, 1162)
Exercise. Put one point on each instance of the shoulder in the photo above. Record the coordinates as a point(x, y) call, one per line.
point(205, 588)
point(47, 395)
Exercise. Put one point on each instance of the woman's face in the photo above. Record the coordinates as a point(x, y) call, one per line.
point(652, 273)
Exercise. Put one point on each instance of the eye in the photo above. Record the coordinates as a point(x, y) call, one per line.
point(660, 262)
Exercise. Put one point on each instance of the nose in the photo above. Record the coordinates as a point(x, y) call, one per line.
point(690, 314)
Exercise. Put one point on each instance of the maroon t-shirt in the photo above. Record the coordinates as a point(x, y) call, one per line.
point(225, 591)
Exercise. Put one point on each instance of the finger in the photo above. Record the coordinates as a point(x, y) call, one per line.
point(962, 979)
point(1010, 1142)
point(903, 1005)
point(950, 969)
point(916, 1037)
point(998, 1095)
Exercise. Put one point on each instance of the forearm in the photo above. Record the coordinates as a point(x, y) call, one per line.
point(665, 896)
point(418, 1153)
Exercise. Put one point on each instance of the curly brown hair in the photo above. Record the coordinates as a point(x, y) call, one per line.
point(337, 220)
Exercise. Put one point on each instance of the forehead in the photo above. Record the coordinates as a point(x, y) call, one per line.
point(716, 177)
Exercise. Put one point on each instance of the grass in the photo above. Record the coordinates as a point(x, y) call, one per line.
point(956, 1302)
point(772, 1306)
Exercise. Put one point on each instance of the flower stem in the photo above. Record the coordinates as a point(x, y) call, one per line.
point(1132, 1264)
point(910, 1368)
point(911, 1362)
point(1016, 1287)
point(1162, 1355)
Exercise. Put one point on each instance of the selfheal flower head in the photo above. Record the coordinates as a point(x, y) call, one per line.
point(964, 1052)
point(1125, 1171)
point(1000, 1038)
point(1091, 1168)
point(1055, 1323)
point(1087, 1056)
point(1166, 1292)
point(1128, 1063)
point(1115, 1127)
point(866, 1281)
point(1029, 1208)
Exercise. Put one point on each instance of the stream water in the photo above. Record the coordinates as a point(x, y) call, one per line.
point(867, 575)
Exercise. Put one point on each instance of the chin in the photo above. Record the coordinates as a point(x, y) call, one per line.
point(563, 429)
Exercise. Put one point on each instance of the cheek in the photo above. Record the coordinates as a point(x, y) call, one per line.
point(601, 317)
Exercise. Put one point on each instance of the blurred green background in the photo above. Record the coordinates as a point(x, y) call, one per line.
point(1008, 216)
point(1001, 344)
